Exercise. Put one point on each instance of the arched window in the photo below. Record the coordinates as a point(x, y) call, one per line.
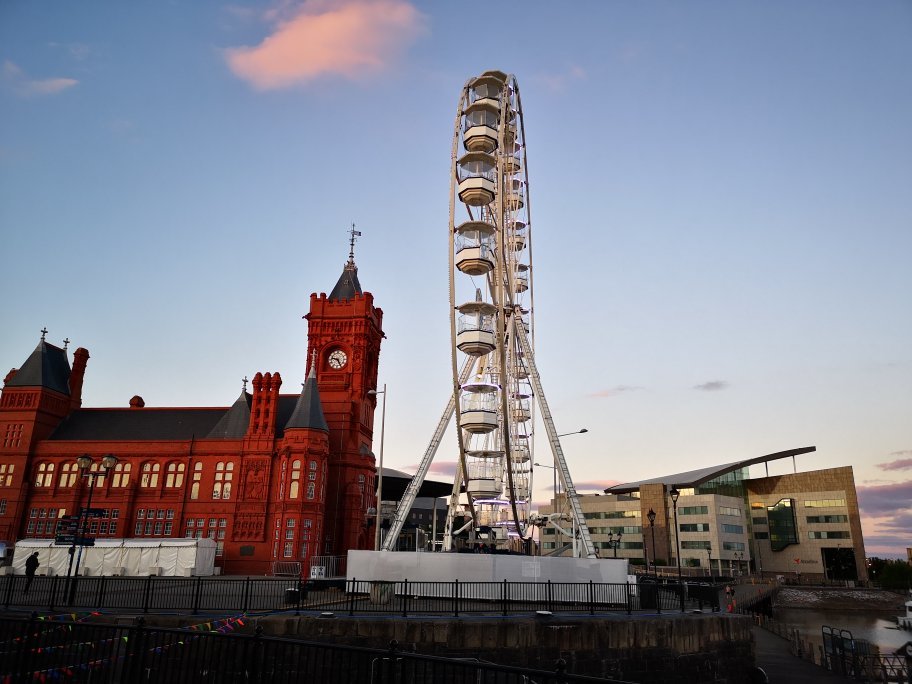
point(174, 475)
point(197, 476)
point(294, 490)
point(68, 473)
point(45, 476)
point(312, 475)
point(310, 490)
point(223, 477)
point(149, 474)
point(121, 476)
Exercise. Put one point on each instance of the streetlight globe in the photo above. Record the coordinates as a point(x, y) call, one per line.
point(109, 461)
point(674, 494)
point(84, 461)
point(651, 516)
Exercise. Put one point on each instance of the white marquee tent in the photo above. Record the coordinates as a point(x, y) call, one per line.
point(133, 557)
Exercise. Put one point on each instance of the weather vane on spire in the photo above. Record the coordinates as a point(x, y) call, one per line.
point(351, 243)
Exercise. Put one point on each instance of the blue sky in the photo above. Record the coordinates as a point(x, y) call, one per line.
point(721, 203)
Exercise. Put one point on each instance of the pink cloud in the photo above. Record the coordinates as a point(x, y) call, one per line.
point(12, 75)
point(901, 464)
point(885, 500)
point(615, 391)
point(352, 38)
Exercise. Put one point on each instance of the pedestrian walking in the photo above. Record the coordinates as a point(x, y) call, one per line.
point(31, 565)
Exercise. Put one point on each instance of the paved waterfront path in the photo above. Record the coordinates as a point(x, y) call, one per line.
point(773, 653)
point(781, 666)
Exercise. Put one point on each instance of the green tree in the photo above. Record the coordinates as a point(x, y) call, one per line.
point(895, 575)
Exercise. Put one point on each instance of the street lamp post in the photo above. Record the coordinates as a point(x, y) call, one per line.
point(614, 543)
point(554, 480)
point(651, 516)
point(380, 468)
point(674, 493)
point(759, 558)
point(82, 528)
point(709, 560)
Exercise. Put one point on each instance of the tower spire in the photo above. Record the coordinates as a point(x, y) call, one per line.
point(351, 245)
point(348, 286)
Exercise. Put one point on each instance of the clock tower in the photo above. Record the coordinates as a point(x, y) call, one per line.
point(343, 338)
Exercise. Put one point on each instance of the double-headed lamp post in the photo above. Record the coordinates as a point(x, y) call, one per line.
point(651, 517)
point(615, 543)
point(380, 469)
point(82, 528)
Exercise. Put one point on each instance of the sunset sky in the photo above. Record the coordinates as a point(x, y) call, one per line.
point(721, 200)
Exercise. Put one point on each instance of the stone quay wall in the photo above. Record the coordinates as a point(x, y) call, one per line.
point(686, 649)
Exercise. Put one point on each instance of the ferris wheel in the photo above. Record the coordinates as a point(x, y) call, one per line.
point(497, 393)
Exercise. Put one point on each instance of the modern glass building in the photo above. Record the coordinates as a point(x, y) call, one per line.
point(803, 525)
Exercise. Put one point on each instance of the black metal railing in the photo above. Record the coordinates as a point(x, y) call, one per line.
point(196, 595)
point(49, 649)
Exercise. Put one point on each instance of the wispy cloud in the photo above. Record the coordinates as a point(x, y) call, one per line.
point(615, 391)
point(899, 464)
point(78, 51)
point(557, 81)
point(14, 78)
point(712, 386)
point(445, 469)
point(351, 38)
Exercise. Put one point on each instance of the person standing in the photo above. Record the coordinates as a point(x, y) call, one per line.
point(31, 566)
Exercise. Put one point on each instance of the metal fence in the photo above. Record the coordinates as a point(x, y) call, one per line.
point(839, 654)
point(354, 597)
point(47, 650)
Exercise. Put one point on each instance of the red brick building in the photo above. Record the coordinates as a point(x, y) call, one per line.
point(274, 477)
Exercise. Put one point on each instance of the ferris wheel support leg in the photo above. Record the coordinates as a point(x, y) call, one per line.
point(411, 491)
point(585, 540)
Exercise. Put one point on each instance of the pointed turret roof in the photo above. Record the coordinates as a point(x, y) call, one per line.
point(46, 367)
point(233, 425)
point(308, 412)
point(348, 286)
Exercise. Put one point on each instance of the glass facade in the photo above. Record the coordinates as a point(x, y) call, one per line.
point(783, 528)
point(729, 484)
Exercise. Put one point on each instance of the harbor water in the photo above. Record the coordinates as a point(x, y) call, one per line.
point(878, 627)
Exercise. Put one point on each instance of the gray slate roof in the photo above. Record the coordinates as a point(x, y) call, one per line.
point(234, 424)
point(121, 424)
point(46, 367)
point(347, 286)
point(308, 412)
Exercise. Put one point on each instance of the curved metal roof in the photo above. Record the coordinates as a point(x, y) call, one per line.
point(693, 478)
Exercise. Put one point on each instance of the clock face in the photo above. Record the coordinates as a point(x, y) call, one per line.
point(338, 359)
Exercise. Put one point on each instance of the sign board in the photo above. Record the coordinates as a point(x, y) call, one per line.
point(73, 539)
point(94, 512)
point(317, 571)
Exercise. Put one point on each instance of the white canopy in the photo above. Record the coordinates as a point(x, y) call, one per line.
point(171, 557)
